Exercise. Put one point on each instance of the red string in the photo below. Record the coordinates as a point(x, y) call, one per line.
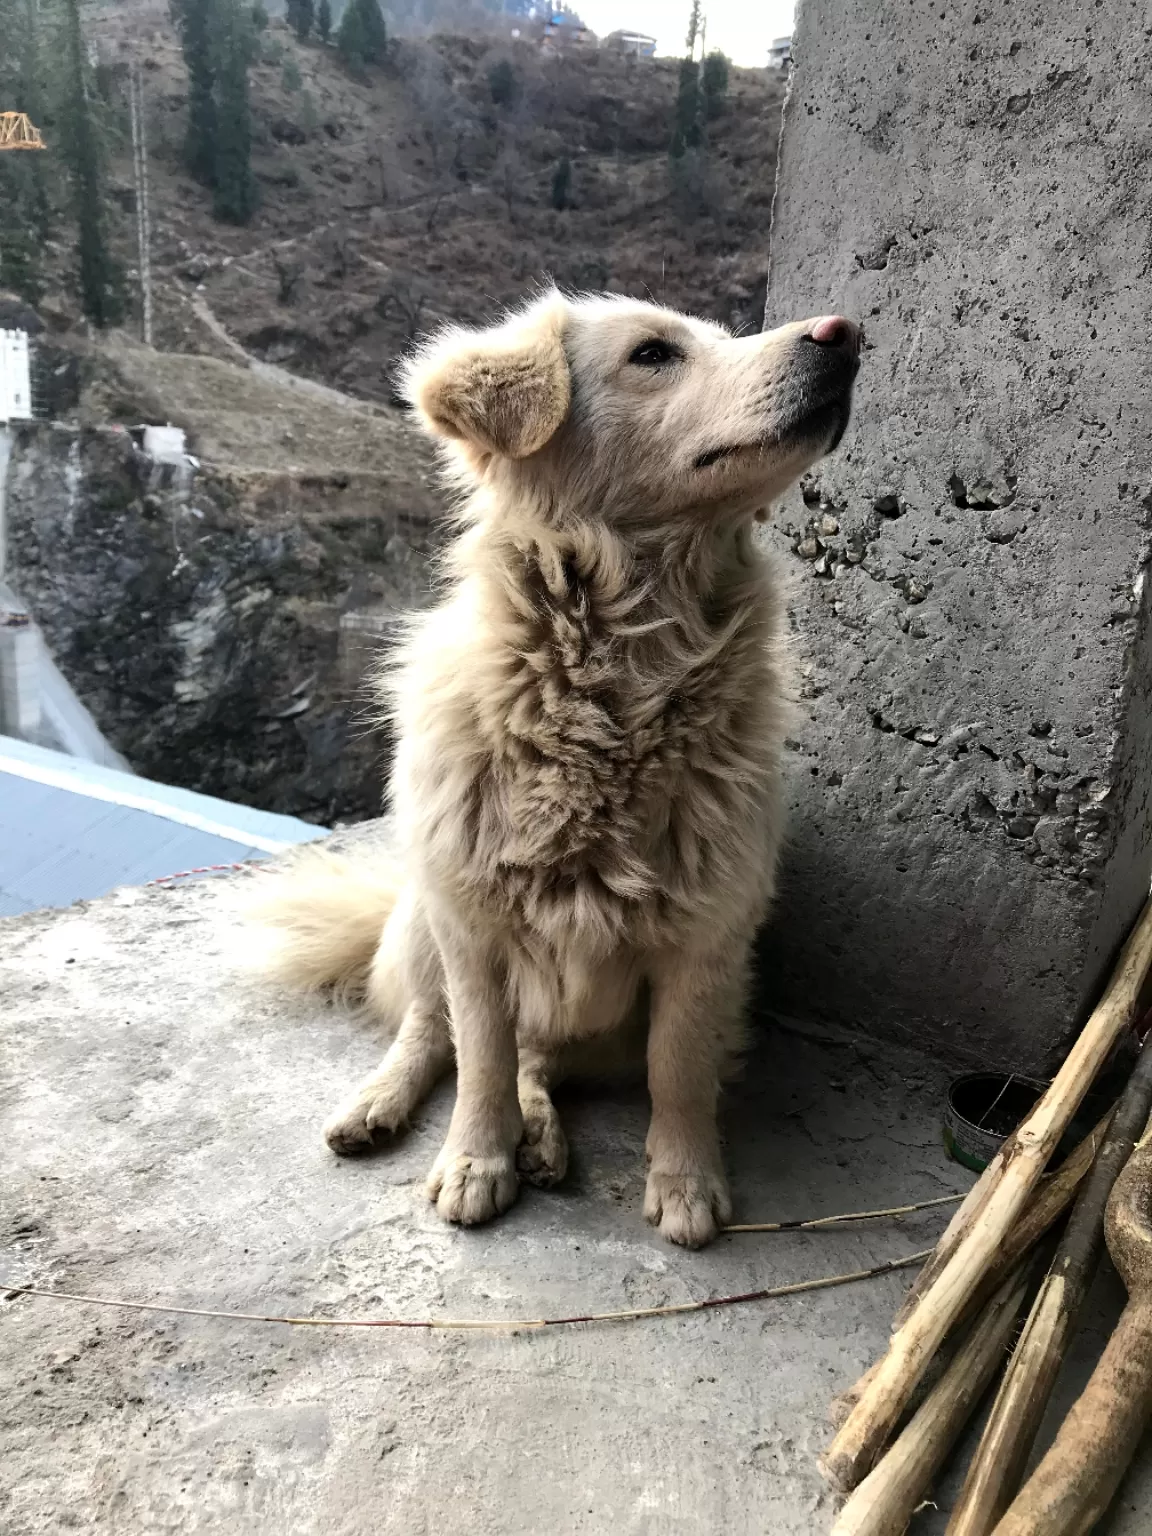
point(202, 869)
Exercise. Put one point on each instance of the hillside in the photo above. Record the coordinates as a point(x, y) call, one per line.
point(406, 194)
point(219, 624)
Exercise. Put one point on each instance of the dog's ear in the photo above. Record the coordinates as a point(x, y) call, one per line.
point(505, 391)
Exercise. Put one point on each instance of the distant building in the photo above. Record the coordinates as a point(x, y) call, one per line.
point(780, 53)
point(639, 44)
point(564, 29)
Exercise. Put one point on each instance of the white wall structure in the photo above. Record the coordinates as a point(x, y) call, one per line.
point(20, 714)
point(164, 445)
point(15, 377)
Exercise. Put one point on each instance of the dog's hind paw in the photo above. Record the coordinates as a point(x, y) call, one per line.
point(542, 1156)
point(688, 1208)
point(470, 1190)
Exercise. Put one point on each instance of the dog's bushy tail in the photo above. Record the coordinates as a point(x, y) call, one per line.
point(320, 916)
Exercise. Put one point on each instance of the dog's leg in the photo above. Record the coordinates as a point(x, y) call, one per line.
point(416, 1061)
point(474, 1178)
point(406, 967)
point(542, 1156)
point(697, 1004)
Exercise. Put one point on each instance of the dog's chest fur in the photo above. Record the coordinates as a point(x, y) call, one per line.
point(616, 736)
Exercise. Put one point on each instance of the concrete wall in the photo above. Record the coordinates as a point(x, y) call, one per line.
point(971, 822)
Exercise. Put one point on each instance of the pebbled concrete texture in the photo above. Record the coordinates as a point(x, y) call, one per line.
point(971, 829)
point(160, 1117)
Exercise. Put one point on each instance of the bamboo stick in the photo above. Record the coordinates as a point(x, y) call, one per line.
point(1049, 1203)
point(1075, 1482)
point(1024, 1156)
point(1002, 1454)
point(952, 1236)
point(1053, 1197)
point(884, 1502)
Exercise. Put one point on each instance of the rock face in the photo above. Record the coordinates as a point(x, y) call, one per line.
point(199, 613)
point(971, 830)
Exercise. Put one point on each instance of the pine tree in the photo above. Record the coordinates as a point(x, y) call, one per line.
point(561, 184)
point(694, 21)
point(687, 130)
point(79, 136)
point(236, 192)
point(301, 15)
point(19, 244)
point(197, 22)
point(25, 180)
point(714, 82)
point(324, 20)
point(503, 83)
point(361, 36)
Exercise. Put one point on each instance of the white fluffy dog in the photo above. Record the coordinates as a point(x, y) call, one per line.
point(588, 725)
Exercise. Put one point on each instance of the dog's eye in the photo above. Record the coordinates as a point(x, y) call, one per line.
point(655, 353)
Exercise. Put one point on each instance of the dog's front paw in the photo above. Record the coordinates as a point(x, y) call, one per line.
point(373, 1113)
point(689, 1208)
point(542, 1156)
point(472, 1189)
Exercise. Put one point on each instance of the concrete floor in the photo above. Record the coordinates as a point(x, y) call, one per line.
point(159, 1119)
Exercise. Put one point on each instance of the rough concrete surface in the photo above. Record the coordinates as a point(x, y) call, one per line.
point(971, 830)
point(160, 1122)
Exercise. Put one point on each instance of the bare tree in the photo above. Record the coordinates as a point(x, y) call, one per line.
point(436, 202)
point(405, 299)
point(447, 124)
point(508, 176)
point(289, 271)
point(340, 253)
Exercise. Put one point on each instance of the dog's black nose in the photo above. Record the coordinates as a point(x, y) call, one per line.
point(836, 333)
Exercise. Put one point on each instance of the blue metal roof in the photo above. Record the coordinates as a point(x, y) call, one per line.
point(71, 829)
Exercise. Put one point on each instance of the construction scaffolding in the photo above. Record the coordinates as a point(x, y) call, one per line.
point(16, 132)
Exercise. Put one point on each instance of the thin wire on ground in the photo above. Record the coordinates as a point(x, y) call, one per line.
point(492, 1325)
point(814, 1223)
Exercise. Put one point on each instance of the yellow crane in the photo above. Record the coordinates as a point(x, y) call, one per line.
point(16, 132)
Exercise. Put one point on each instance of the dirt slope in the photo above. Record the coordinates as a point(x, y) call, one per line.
point(408, 195)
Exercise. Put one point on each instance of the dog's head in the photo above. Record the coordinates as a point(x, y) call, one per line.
point(635, 412)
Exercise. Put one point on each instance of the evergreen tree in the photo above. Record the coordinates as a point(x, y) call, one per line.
point(197, 22)
point(687, 129)
point(301, 15)
point(694, 21)
point(324, 20)
point(80, 143)
point(561, 184)
point(25, 179)
point(236, 192)
point(218, 39)
point(361, 36)
point(714, 83)
point(502, 83)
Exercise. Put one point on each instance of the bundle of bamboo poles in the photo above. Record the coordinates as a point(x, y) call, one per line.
point(956, 1324)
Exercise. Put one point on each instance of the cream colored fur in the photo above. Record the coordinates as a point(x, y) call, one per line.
point(589, 726)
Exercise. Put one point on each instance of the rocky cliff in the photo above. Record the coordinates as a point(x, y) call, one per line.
point(218, 621)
